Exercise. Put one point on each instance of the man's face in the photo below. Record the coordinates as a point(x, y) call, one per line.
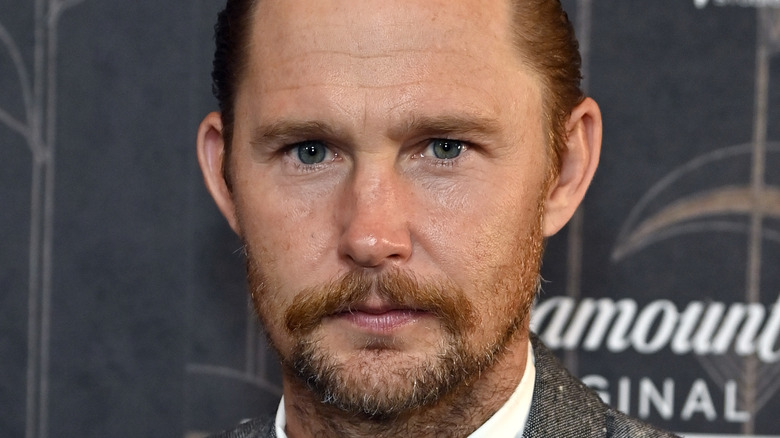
point(388, 170)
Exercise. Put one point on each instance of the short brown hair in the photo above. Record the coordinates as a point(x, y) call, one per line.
point(231, 34)
point(548, 46)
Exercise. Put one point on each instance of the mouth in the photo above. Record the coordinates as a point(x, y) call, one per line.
point(380, 318)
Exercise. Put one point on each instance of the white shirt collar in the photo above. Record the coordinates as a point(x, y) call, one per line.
point(509, 421)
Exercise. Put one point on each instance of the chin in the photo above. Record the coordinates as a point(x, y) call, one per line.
point(380, 380)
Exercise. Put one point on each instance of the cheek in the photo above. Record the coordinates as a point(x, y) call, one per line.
point(476, 229)
point(290, 235)
point(287, 244)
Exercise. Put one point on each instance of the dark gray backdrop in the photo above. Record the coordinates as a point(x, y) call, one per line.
point(122, 300)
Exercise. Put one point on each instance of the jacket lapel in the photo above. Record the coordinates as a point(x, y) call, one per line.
point(562, 406)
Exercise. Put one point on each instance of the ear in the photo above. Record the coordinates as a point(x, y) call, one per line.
point(578, 165)
point(211, 152)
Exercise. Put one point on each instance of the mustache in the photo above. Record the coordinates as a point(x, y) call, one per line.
point(442, 299)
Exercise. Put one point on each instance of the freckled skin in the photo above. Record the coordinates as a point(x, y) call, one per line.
point(367, 70)
point(359, 70)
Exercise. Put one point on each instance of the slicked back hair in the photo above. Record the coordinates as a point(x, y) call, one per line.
point(544, 38)
point(542, 33)
point(231, 37)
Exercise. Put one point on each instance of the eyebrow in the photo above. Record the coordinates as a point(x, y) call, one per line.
point(291, 129)
point(295, 130)
point(446, 124)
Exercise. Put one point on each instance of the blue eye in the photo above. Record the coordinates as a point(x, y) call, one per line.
point(446, 149)
point(311, 152)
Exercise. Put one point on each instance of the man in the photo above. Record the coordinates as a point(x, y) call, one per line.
point(393, 167)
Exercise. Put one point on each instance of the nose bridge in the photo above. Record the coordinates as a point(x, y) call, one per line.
point(375, 220)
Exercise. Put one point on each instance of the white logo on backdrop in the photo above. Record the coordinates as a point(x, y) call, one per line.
point(702, 328)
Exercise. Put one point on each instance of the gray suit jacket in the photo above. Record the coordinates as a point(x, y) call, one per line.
point(561, 407)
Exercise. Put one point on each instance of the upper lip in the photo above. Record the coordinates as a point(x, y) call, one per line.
point(375, 305)
point(376, 310)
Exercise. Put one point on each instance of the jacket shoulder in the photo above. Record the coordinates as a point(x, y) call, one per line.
point(564, 406)
point(624, 426)
point(257, 428)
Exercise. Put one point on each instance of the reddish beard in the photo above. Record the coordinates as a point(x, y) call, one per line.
point(344, 386)
point(352, 387)
point(445, 301)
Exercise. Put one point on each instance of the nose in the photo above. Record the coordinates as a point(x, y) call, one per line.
point(375, 219)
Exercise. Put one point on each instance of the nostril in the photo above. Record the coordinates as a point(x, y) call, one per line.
point(372, 250)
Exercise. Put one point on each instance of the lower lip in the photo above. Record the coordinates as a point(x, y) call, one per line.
point(382, 322)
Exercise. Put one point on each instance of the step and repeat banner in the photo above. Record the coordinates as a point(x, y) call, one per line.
point(123, 307)
point(665, 296)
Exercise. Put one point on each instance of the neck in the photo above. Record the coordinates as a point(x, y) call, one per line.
point(458, 413)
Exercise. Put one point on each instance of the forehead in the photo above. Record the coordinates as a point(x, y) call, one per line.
point(384, 49)
point(379, 24)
